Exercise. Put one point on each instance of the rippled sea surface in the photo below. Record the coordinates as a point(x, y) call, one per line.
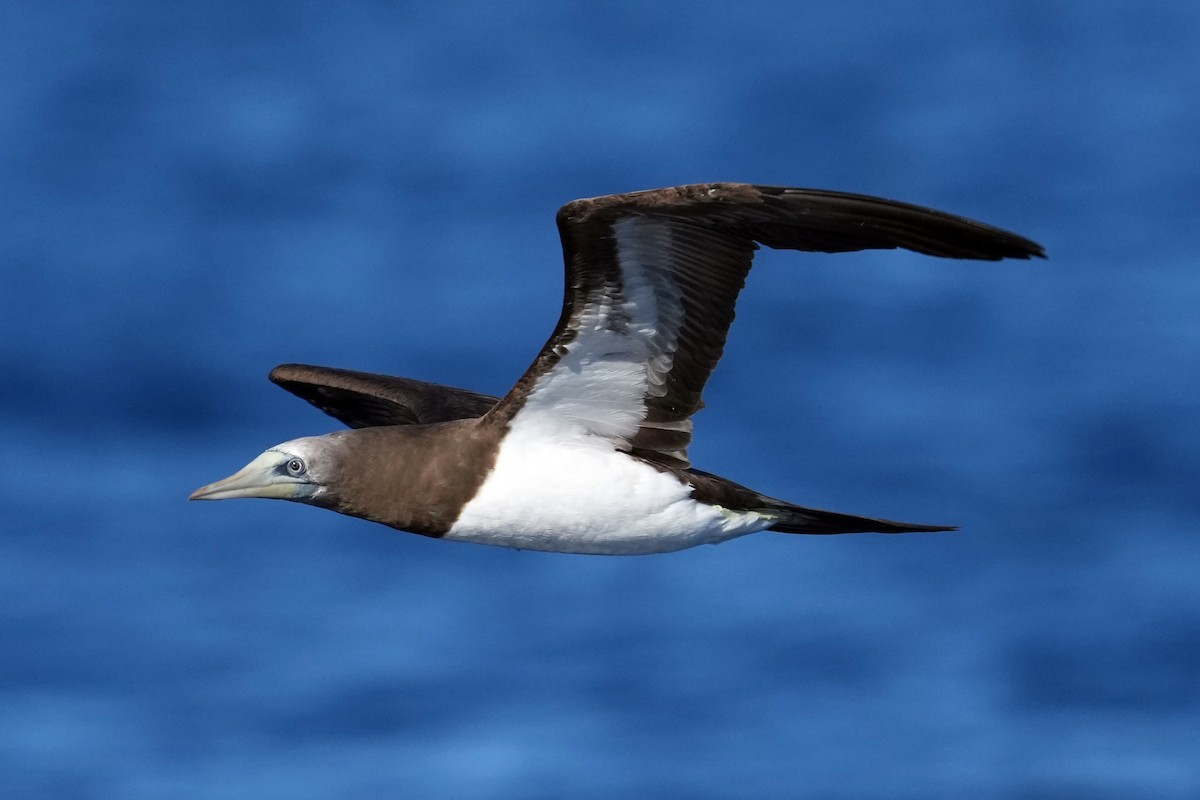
point(192, 195)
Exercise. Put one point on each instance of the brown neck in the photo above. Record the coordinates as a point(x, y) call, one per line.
point(415, 478)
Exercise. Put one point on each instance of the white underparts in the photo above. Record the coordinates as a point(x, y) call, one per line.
point(587, 497)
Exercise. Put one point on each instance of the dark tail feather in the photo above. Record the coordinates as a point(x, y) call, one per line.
point(812, 520)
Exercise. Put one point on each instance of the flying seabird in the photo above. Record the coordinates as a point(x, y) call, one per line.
point(587, 453)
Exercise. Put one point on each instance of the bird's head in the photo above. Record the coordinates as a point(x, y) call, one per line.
point(302, 470)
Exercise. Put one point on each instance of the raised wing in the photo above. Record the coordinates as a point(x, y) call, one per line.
point(651, 282)
point(364, 399)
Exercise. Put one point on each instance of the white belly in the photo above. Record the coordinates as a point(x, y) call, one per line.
point(588, 498)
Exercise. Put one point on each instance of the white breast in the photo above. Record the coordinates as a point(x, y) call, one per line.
point(586, 497)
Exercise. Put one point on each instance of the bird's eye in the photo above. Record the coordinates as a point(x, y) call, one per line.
point(296, 467)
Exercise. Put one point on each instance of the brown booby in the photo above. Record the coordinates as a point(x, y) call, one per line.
point(587, 453)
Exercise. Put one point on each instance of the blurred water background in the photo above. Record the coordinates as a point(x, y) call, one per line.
point(194, 193)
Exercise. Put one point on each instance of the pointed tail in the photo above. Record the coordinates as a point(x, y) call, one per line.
point(797, 519)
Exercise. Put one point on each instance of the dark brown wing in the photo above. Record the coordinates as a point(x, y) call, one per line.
point(651, 282)
point(364, 399)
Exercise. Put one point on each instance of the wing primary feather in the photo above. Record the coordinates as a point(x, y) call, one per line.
point(365, 399)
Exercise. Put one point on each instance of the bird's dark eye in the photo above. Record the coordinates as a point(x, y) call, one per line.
point(296, 467)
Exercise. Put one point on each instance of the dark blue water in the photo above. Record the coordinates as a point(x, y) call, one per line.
point(190, 196)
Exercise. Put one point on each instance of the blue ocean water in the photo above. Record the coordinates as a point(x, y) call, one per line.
point(192, 195)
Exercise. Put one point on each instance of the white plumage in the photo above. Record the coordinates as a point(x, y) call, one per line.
point(584, 496)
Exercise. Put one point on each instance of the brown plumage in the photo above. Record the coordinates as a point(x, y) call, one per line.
point(364, 399)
